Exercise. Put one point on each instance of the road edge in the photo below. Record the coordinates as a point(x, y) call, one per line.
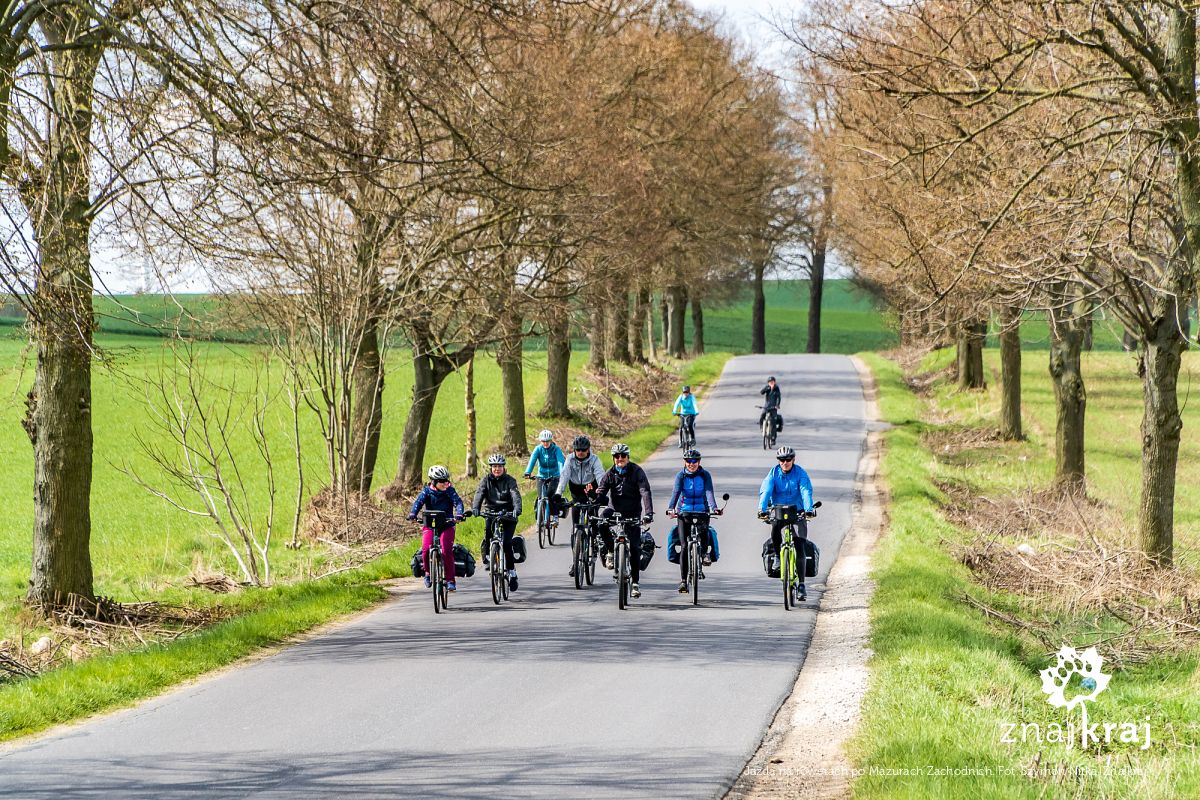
point(803, 752)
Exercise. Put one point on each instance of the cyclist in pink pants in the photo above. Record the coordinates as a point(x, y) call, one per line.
point(439, 495)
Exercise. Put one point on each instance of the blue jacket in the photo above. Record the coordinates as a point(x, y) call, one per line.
point(548, 460)
point(693, 492)
point(447, 501)
point(685, 404)
point(781, 488)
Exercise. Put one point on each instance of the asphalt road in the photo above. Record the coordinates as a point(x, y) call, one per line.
point(555, 694)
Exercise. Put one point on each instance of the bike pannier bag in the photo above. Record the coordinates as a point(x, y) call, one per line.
point(778, 423)
point(770, 560)
point(812, 558)
point(788, 515)
point(464, 562)
point(716, 548)
point(417, 565)
point(519, 551)
point(673, 549)
point(647, 550)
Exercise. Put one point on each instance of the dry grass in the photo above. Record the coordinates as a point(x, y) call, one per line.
point(352, 520)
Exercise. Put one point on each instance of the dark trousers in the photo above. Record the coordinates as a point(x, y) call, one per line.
point(508, 527)
point(578, 495)
point(633, 532)
point(685, 525)
point(688, 422)
point(801, 533)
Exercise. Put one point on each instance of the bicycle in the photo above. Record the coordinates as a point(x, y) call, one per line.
point(696, 521)
point(435, 568)
point(547, 523)
point(622, 573)
point(769, 427)
point(687, 435)
point(497, 560)
point(789, 571)
point(583, 545)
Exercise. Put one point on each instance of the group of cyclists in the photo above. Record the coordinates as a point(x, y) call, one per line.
point(622, 490)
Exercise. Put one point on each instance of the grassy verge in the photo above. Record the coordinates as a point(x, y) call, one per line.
point(946, 682)
point(262, 617)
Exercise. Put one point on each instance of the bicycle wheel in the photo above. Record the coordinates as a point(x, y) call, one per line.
point(787, 571)
point(541, 523)
point(435, 579)
point(589, 558)
point(766, 432)
point(622, 565)
point(551, 526)
point(497, 572)
point(577, 556)
point(694, 571)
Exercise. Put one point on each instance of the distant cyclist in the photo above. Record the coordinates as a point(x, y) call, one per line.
point(439, 495)
point(581, 474)
point(547, 458)
point(626, 490)
point(787, 484)
point(771, 400)
point(499, 492)
point(685, 409)
point(693, 493)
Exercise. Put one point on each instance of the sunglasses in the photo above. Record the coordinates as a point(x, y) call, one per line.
point(620, 458)
point(437, 482)
point(786, 460)
point(691, 461)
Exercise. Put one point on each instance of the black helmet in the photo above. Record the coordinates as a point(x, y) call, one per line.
point(687, 389)
point(771, 378)
point(692, 454)
point(581, 443)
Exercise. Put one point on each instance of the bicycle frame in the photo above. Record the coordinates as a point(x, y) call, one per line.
point(497, 557)
point(435, 567)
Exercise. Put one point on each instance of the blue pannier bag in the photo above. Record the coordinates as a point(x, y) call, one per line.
point(673, 548)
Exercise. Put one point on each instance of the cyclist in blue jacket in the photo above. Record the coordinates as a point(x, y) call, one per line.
point(547, 458)
point(685, 409)
point(787, 484)
point(693, 493)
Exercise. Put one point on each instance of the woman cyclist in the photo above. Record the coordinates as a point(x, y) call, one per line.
point(439, 495)
point(547, 458)
point(499, 492)
point(581, 474)
point(693, 493)
point(685, 409)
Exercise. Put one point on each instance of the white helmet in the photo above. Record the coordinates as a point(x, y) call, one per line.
point(546, 436)
point(496, 460)
point(439, 473)
point(785, 452)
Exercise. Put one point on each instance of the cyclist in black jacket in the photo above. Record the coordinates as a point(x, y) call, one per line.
point(500, 492)
point(626, 491)
point(771, 400)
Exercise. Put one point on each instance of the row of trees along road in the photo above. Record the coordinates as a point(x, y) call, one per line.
point(998, 158)
point(450, 174)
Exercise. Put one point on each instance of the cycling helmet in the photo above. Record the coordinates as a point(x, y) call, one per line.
point(546, 436)
point(496, 460)
point(620, 449)
point(439, 473)
point(687, 389)
point(785, 452)
point(581, 443)
point(771, 378)
point(693, 453)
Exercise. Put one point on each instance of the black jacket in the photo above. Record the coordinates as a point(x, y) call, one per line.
point(501, 494)
point(773, 396)
point(628, 493)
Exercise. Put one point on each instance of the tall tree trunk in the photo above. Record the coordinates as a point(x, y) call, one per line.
point(637, 326)
point(1087, 326)
point(512, 389)
point(366, 415)
point(59, 420)
point(971, 338)
point(758, 318)
point(1162, 424)
point(665, 316)
point(471, 466)
point(1010, 374)
point(816, 292)
point(1070, 398)
point(558, 362)
point(618, 329)
point(596, 334)
point(678, 308)
point(697, 327)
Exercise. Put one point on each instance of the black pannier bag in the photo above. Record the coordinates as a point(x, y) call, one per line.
point(812, 558)
point(418, 568)
point(519, 551)
point(647, 550)
point(770, 560)
point(778, 422)
point(464, 562)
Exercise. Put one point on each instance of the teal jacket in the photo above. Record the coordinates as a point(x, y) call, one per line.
point(548, 460)
point(685, 404)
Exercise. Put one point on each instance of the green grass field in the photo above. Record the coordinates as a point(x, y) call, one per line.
point(944, 679)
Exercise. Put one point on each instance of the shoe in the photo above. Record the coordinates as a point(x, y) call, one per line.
point(803, 592)
point(450, 587)
point(683, 588)
point(634, 591)
point(512, 583)
point(608, 561)
point(706, 560)
point(571, 571)
point(428, 582)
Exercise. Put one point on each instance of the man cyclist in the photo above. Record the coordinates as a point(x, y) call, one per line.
point(771, 400)
point(547, 458)
point(693, 493)
point(685, 409)
point(499, 492)
point(787, 484)
point(626, 490)
point(581, 474)
point(439, 495)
